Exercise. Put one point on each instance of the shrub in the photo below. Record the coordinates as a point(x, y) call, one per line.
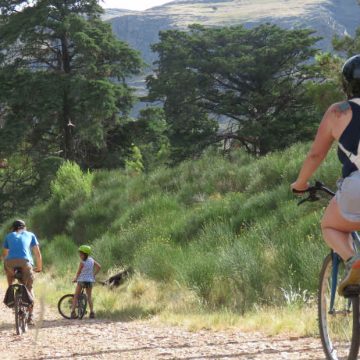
point(71, 182)
point(157, 259)
point(69, 190)
point(62, 254)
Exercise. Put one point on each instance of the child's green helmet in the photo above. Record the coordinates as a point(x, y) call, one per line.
point(86, 249)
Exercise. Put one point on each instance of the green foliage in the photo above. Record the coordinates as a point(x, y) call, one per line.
point(189, 126)
point(148, 132)
point(71, 181)
point(62, 254)
point(329, 90)
point(63, 93)
point(69, 190)
point(329, 67)
point(134, 163)
point(57, 71)
point(253, 77)
point(228, 229)
point(152, 137)
point(157, 259)
point(347, 45)
point(24, 182)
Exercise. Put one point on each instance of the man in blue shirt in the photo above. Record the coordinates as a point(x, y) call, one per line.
point(18, 247)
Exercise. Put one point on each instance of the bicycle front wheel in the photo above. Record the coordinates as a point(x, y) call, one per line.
point(64, 306)
point(338, 316)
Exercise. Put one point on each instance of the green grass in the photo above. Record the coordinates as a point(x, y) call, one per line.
point(225, 229)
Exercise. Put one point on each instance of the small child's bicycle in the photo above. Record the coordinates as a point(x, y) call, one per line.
point(65, 305)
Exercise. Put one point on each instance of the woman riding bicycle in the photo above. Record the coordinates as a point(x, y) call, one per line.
point(17, 253)
point(340, 123)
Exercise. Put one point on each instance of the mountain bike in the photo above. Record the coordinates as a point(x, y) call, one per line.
point(18, 298)
point(65, 305)
point(338, 316)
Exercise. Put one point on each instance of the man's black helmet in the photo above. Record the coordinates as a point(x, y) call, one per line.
point(351, 76)
point(18, 224)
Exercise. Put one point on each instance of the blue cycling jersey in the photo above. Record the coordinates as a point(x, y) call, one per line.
point(20, 244)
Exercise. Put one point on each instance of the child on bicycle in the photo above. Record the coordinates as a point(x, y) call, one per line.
point(85, 278)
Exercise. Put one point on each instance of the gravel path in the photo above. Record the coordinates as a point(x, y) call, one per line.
point(56, 338)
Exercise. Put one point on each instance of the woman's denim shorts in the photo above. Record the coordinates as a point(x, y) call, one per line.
point(348, 196)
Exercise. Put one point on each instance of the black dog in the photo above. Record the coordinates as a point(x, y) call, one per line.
point(119, 278)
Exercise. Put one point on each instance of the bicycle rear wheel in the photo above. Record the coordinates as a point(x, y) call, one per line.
point(24, 318)
point(17, 308)
point(338, 317)
point(64, 306)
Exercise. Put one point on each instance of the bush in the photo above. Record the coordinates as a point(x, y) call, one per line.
point(69, 190)
point(157, 259)
point(71, 182)
point(62, 254)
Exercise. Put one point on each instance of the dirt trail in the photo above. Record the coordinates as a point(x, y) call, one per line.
point(57, 338)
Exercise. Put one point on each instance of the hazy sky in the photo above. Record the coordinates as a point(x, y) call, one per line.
point(132, 5)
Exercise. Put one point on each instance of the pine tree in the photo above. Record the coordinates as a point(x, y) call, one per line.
point(62, 78)
point(254, 78)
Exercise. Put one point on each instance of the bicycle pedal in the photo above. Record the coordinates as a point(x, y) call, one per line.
point(351, 290)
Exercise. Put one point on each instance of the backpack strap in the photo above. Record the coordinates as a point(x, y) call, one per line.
point(355, 159)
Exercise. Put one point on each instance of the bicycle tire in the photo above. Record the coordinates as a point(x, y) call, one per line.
point(82, 304)
point(24, 318)
point(64, 306)
point(339, 327)
point(17, 300)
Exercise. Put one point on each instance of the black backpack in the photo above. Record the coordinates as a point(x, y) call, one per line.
point(26, 298)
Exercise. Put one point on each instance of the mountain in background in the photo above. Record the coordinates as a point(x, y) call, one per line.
point(328, 17)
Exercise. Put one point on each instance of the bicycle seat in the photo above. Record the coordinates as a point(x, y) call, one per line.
point(18, 273)
point(352, 290)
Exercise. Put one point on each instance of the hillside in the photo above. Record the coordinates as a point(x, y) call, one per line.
point(115, 13)
point(327, 17)
point(204, 226)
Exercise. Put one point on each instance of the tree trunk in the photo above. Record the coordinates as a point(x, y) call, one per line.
point(67, 145)
point(66, 124)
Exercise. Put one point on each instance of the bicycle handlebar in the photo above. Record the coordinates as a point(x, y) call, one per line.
point(312, 190)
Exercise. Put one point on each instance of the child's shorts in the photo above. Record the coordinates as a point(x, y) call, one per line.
point(348, 197)
point(86, 284)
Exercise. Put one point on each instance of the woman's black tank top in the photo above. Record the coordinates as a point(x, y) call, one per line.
point(350, 140)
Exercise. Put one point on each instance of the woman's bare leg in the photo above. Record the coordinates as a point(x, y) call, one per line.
point(336, 230)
